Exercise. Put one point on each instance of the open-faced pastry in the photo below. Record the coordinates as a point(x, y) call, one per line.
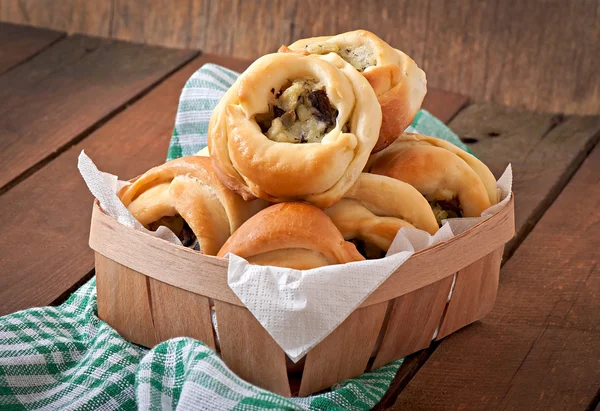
point(375, 208)
point(400, 85)
point(291, 235)
point(186, 196)
point(294, 127)
point(455, 183)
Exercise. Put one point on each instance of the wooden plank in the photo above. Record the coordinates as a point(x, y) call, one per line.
point(538, 349)
point(124, 301)
point(444, 104)
point(544, 149)
point(474, 293)
point(82, 81)
point(504, 37)
point(191, 311)
point(19, 43)
point(341, 355)
point(249, 350)
point(50, 211)
point(412, 321)
point(73, 16)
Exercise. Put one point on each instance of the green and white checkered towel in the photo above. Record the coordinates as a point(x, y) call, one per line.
point(65, 358)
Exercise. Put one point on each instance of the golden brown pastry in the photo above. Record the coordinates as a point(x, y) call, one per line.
point(291, 235)
point(375, 208)
point(294, 127)
point(186, 196)
point(455, 183)
point(399, 83)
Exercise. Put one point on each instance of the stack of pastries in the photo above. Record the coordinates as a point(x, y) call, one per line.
point(308, 163)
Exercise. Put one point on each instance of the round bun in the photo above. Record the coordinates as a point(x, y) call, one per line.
point(294, 127)
point(400, 85)
point(376, 207)
point(442, 172)
point(291, 235)
point(188, 188)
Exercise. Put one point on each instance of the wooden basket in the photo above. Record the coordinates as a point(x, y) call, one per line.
point(150, 290)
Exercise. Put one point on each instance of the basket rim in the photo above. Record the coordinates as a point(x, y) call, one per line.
point(114, 240)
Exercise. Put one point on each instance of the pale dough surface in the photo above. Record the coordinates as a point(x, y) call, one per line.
point(189, 187)
point(376, 207)
point(438, 170)
point(320, 173)
point(292, 235)
point(400, 85)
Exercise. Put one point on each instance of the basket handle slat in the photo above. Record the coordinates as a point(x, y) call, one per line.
point(345, 352)
point(249, 350)
point(412, 321)
point(474, 293)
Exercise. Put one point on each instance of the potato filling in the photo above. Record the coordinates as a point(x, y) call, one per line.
point(300, 113)
point(443, 209)
point(360, 57)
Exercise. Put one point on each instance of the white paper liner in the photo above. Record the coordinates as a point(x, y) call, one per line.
point(300, 308)
point(104, 187)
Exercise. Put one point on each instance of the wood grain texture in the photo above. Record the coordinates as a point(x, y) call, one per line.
point(544, 149)
point(249, 350)
point(345, 352)
point(81, 81)
point(538, 348)
point(51, 210)
point(79, 16)
point(444, 104)
point(412, 322)
point(474, 293)
point(146, 311)
point(124, 301)
point(19, 43)
point(539, 54)
point(179, 313)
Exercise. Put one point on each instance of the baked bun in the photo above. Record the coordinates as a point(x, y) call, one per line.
point(400, 85)
point(294, 127)
point(186, 196)
point(455, 183)
point(376, 207)
point(291, 235)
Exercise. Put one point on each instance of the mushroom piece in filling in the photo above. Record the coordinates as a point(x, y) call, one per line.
point(360, 57)
point(180, 228)
point(300, 113)
point(443, 209)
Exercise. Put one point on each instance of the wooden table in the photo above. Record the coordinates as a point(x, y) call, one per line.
point(538, 349)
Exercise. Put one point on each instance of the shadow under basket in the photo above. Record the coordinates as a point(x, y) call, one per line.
point(150, 290)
